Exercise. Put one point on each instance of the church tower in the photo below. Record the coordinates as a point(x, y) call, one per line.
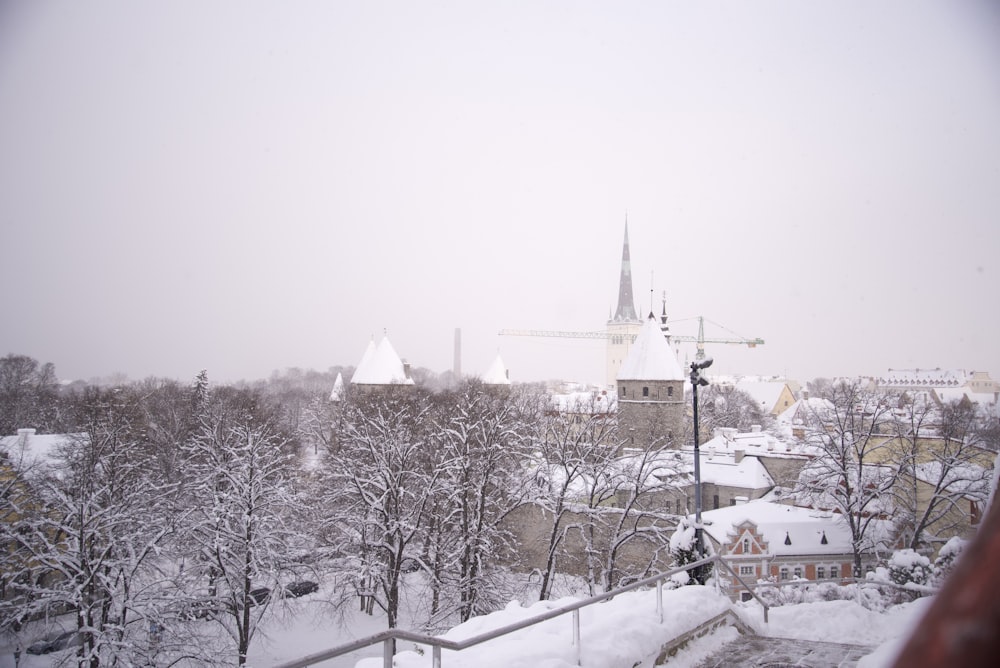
point(624, 326)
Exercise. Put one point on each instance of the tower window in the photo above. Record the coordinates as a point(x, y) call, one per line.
point(623, 391)
point(645, 391)
point(670, 391)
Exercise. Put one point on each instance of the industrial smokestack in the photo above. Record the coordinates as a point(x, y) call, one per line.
point(457, 368)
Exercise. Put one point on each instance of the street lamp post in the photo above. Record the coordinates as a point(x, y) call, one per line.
point(699, 537)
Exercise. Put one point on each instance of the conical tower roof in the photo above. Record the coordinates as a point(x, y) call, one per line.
point(497, 373)
point(626, 304)
point(651, 357)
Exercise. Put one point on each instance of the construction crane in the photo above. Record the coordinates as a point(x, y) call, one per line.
point(699, 340)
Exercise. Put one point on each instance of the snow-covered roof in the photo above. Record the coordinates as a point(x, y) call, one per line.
point(764, 394)
point(382, 367)
point(366, 359)
point(27, 449)
point(590, 402)
point(723, 469)
point(787, 530)
point(497, 373)
point(651, 357)
point(338, 388)
point(924, 378)
point(756, 444)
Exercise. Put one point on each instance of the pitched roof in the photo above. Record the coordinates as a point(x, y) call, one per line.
point(497, 373)
point(338, 388)
point(383, 367)
point(651, 357)
point(803, 527)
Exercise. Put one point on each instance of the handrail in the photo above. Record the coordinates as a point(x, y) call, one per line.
point(389, 636)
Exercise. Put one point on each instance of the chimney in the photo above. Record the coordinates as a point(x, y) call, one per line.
point(755, 428)
point(457, 369)
point(406, 370)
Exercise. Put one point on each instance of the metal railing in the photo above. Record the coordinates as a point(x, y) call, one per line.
point(389, 637)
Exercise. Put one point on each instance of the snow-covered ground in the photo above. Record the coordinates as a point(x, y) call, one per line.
point(622, 632)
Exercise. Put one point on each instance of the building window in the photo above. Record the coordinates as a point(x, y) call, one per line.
point(820, 573)
point(645, 391)
point(746, 570)
point(746, 546)
point(732, 501)
point(623, 391)
point(670, 391)
point(783, 573)
point(835, 572)
point(797, 572)
point(715, 502)
point(678, 506)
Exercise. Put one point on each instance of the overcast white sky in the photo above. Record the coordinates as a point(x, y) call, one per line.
point(250, 186)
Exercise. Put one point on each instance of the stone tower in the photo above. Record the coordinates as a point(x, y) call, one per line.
point(651, 408)
point(624, 325)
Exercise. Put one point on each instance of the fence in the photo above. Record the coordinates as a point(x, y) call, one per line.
point(389, 637)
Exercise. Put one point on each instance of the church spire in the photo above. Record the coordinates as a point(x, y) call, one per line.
point(626, 306)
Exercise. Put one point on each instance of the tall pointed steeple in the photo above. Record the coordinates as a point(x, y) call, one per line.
point(626, 305)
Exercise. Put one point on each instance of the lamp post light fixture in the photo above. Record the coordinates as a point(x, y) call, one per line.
point(698, 380)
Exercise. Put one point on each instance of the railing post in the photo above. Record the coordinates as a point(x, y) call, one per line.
point(659, 600)
point(436, 657)
point(576, 635)
point(387, 646)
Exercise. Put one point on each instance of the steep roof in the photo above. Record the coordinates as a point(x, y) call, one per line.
point(626, 304)
point(764, 393)
point(366, 359)
point(338, 388)
point(497, 373)
point(383, 367)
point(803, 528)
point(651, 357)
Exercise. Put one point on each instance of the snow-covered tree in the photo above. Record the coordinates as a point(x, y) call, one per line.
point(850, 475)
point(28, 394)
point(570, 444)
point(614, 504)
point(945, 471)
point(384, 473)
point(486, 436)
point(93, 524)
point(239, 484)
point(727, 406)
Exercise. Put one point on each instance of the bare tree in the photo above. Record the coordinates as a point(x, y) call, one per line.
point(240, 485)
point(485, 437)
point(383, 477)
point(852, 474)
point(569, 445)
point(92, 525)
point(945, 470)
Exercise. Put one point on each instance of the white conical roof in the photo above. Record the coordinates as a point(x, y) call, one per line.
point(338, 388)
point(497, 373)
point(384, 367)
point(651, 357)
point(366, 359)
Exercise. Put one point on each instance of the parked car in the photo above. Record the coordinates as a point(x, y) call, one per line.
point(300, 588)
point(54, 644)
point(259, 596)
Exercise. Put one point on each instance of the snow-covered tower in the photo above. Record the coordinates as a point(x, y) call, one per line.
point(380, 368)
point(497, 375)
point(624, 325)
point(651, 390)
